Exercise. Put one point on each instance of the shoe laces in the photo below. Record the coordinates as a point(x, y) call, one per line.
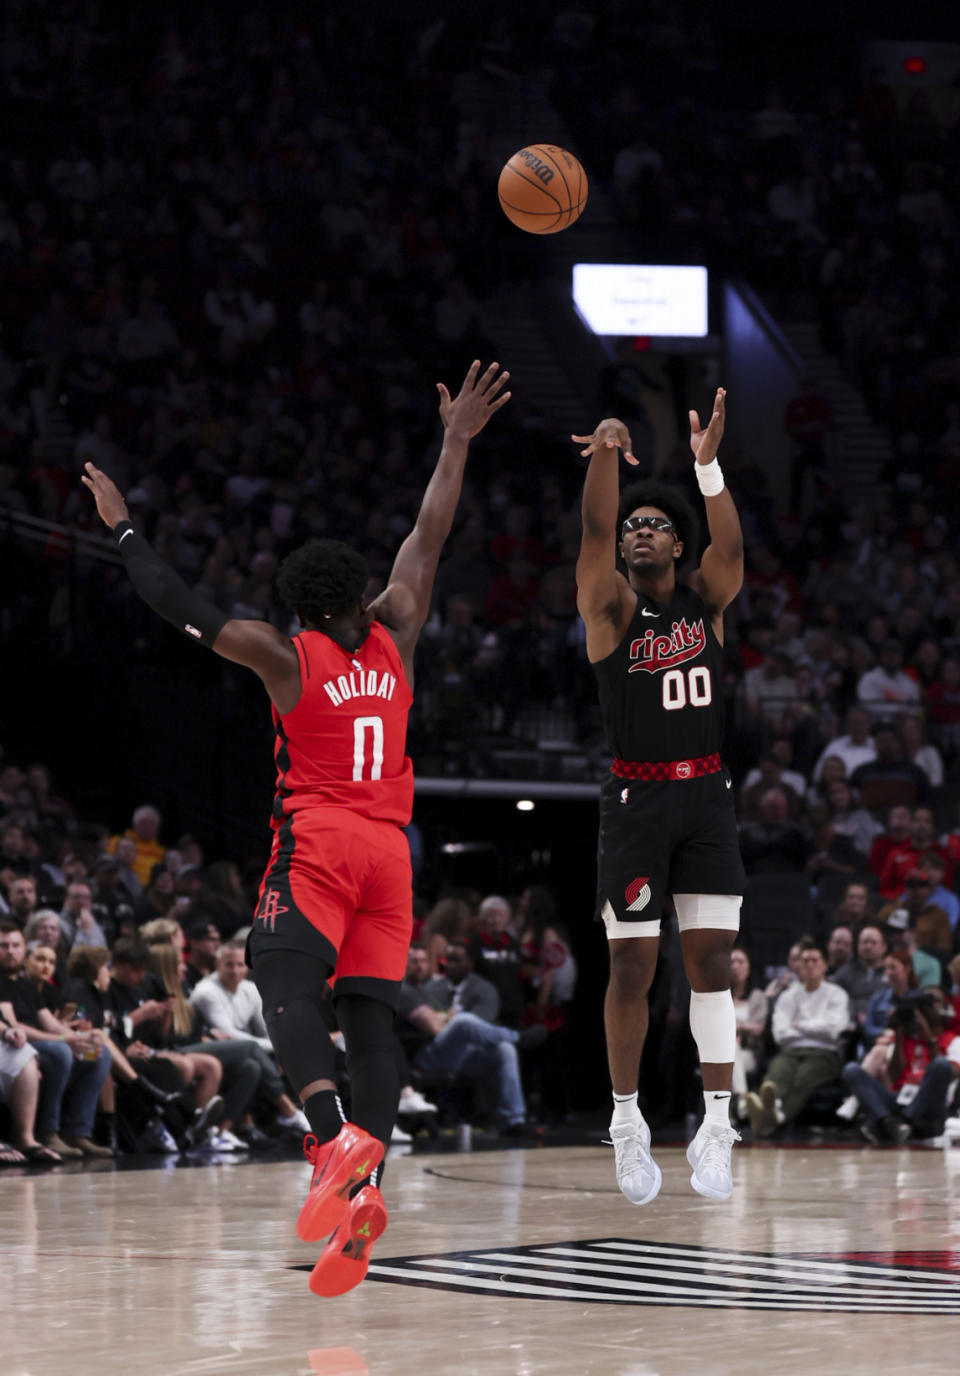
point(627, 1150)
point(311, 1148)
point(715, 1154)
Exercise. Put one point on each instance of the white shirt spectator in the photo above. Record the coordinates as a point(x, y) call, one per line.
point(816, 1019)
point(849, 751)
point(789, 777)
point(238, 1015)
point(879, 691)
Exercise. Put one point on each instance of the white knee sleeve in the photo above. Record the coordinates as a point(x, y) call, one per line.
point(714, 1027)
point(719, 912)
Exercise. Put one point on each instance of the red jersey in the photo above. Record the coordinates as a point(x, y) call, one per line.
point(344, 744)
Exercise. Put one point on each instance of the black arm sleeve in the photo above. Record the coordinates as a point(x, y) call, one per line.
point(165, 591)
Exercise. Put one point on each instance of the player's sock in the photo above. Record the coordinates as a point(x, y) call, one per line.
point(324, 1114)
point(626, 1109)
point(716, 1103)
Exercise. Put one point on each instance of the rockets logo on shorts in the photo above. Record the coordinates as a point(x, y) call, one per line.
point(270, 909)
point(637, 894)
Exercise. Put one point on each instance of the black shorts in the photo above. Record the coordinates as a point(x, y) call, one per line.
point(665, 837)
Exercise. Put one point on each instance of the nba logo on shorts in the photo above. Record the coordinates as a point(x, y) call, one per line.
point(269, 909)
point(637, 894)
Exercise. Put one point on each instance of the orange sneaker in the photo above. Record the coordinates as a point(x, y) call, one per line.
point(337, 1167)
point(343, 1262)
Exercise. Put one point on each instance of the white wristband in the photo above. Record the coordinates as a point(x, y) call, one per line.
point(709, 477)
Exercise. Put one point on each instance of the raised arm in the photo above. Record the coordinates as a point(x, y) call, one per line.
point(404, 605)
point(603, 594)
point(255, 644)
point(720, 575)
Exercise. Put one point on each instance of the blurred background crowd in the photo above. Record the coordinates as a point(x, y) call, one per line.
point(232, 271)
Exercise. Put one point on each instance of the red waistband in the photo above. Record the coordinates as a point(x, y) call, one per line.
point(667, 769)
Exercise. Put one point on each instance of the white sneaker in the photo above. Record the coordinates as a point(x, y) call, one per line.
point(414, 1102)
point(225, 1140)
point(709, 1155)
point(297, 1122)
point(398, 1135)
point(157, 1137)
point(849, 1109)
point(638, 1175)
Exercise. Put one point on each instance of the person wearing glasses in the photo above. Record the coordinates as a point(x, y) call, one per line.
point(667, 823)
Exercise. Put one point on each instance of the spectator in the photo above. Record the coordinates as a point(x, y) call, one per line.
point(933, 863)
point(856, 747)
point(914, 909)
point(203, 942)
point(496, 956)
point(143, 832)
point(899, 978)
point(856, 906)
point(908, 1095)
point(22, 899)
point(44, 928)
point(765, 775)
point(77, 921)
point(887, 686)
point(110, 902)
point(906, 856)
point(229, 1007)
point(448, 920)
point(20, 1093)
point(809, 1022)
point(890, 778)
point(774, 844)
point(851, 820)
point(918, 749)
point(927, 968)
point(942, 704)
point(861, 977)
point(159, 897)
point(839, 948)
point(897, 832)
point(73, 1067)
point(457, 1013)
point(791, 972)
point(751, 1007)
point(125, 854)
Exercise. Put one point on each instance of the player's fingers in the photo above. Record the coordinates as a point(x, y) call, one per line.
point(586, 453)
point(694, 422)
point(84, 479)
point(582, 439)
point(497, 384)
point(488, 377)
point(631, 460)
point(444, 394)
point(500, 401)
point(471, 376)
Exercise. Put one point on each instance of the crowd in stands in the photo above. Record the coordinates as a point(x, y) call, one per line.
point(236, 299)
point(128, 1021)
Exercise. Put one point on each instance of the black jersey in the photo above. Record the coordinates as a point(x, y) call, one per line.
point(661, 688)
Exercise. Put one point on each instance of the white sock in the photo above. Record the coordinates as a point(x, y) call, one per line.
point(626, 1109)
point(716, 1103)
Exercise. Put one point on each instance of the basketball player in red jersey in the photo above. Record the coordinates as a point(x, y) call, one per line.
point(336, 898)
point(667, 823)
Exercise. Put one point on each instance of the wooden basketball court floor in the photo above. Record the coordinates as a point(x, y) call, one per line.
point(507, 1263)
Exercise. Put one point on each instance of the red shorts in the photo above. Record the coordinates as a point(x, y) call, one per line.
point(339, 886)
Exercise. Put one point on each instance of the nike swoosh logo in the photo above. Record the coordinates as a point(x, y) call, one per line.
point(729, 783)
point(649, 613)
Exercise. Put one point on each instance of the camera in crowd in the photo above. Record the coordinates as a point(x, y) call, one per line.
point(903, 1014)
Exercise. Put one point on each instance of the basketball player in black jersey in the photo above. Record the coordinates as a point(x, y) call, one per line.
point(667, 824)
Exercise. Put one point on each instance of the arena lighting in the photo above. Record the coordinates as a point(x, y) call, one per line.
point(915, 66)
point(525, 804)
point(642, 299)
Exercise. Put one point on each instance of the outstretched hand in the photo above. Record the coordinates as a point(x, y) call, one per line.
point(609, 434)
point(110, 504)
point(705, 443)
point(477, 400)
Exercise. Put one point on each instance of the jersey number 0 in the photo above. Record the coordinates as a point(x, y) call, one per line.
point(360, 728)
point(694, 687)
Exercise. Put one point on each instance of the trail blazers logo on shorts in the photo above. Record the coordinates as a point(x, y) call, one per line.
point(270, 909)
point(613, 1270)
point(637, 894)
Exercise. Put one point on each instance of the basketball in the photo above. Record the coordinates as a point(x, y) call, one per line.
point(542, 189)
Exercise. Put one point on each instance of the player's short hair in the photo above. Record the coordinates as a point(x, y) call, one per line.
point(322, 578)
point(671, 501)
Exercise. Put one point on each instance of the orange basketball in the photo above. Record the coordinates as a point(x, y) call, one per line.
point(542, 189)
